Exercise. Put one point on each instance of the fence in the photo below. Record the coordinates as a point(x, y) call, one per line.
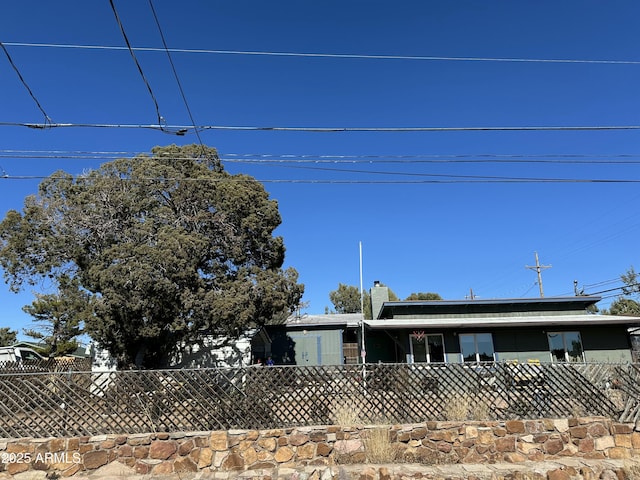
point(87, 403)
point(57, 364)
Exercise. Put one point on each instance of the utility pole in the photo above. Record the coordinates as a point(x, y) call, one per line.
point(538, 268)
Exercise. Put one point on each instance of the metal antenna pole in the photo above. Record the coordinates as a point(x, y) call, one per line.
point(363, 352)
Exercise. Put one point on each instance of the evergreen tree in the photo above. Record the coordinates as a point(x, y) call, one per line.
point(7, 336)
point(168, 246)
point(59, 317)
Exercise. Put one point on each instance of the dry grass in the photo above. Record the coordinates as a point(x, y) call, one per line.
point(378, 446)
point(631, 469)
point(457, 408)
point(465, 407)
point(345, 413)
point(577, 410)
point(480, 410)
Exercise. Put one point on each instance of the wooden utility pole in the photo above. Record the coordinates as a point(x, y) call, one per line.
point(538, 268)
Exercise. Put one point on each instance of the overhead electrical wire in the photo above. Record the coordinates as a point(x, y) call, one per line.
point(47, 119)
point(440, 58)
point(183, 129)
point(175, 74)
point(603, 283)
point(161, 121)
point(437, 158)
point(316, 167)
point(615, 289)
point(445, 175)
point(442, 179)
point(269, 159)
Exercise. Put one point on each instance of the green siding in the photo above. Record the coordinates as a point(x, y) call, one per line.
point(385, 348)
point(600, 344)
point(317, 347)
point(606, 344)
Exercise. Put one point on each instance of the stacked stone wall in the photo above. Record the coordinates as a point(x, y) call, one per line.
point(431, 443)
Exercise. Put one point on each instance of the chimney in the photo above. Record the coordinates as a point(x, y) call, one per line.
point(379, 295)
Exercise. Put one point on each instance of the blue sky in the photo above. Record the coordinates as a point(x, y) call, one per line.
point(464, 233)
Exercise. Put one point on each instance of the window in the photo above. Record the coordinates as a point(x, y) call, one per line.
point(476, 347)
point(29, 356)
point(427, 348)
point(565, 347)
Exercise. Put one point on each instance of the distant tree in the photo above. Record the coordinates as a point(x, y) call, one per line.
point(7, 336)
point(60, 317)
point(345, 299)
point(624, 306)
point(632, 282)
point(367, 306)
point(424, 296)
point(169, 246)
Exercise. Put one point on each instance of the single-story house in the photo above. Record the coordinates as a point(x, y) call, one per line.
point(330, 339)
point(550, 329)
point(210, 352)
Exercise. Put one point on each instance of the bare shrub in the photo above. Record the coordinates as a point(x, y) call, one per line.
point(577, 409)
point(617, 397)
point(378, 447)
point(463, 406)
point(345, 413)
point(480, 410)
point(457, 408)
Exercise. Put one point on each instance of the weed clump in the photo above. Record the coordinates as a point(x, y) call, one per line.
point(465, 407)
point(345, 413)
point(378, 447)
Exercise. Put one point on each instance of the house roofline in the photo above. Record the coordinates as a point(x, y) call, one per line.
point(588, 299)
point(465, 323)
point(389, 309)
point(349, 320)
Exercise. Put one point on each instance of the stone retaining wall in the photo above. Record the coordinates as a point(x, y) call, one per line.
point(241, 450)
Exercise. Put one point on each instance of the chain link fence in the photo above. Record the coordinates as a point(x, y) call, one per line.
point(76, 403)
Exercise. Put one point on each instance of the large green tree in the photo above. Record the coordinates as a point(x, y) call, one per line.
point(7, 336)
point(169, 246)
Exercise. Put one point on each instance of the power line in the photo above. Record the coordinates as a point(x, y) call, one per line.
point(24, 82)
point(615, 289)
point(451, 179)
point(445, 175)
point(629, 159)
point(603, 283)
point(269, 158)
point(323, 163)
point(334, 55)
point(175, 74)
point(183, 129)
point(423, 129)
point(322, 168)
point(160, 118)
